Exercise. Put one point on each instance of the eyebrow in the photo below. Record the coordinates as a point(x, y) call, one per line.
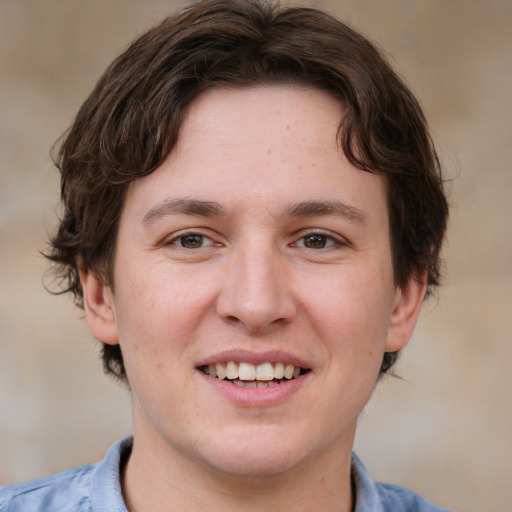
point(317, 208)
point(183, 207)
point(196, 207)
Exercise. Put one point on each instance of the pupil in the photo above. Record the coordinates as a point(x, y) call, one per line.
point(192, 241)
point(315, 241)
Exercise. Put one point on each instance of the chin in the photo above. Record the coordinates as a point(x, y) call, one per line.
point(255, 454)
point(256, 465)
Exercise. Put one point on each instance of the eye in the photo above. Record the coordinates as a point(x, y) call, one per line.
point(191, 241)
point(317, 241)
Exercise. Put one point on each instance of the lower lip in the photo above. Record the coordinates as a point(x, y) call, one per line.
point(256, 397)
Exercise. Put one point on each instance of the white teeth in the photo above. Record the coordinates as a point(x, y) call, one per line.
point(288, 371)
point(232, 371)
point(264, 371)
point(254, 384)
point(246, 371)
point(221, 371)
point(279, 371)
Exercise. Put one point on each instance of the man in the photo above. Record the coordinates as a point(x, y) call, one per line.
point(253, 216)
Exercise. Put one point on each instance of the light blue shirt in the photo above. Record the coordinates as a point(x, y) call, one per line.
point(97, 488)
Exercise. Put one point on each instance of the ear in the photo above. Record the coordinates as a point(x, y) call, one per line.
point(404, 315)
point(98, 306)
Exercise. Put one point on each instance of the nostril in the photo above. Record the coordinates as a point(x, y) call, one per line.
point(258, 305)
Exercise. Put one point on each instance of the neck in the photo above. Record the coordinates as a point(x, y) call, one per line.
point(154, 479)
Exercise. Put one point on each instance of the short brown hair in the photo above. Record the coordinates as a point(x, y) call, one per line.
point(132, 119)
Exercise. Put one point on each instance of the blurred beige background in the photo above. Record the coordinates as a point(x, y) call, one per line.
point(444, 430)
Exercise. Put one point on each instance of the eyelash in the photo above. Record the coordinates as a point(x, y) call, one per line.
point(329, 239)
point(184, 234)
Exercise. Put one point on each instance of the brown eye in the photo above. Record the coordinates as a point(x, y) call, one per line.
point(315, 241)
point(190, 241)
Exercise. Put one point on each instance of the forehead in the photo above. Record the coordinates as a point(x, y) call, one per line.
point(265, 145)
point(262, 118)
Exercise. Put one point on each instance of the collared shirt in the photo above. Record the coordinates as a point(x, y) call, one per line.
point(97, 488)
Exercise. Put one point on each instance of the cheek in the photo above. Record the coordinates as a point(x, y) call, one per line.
point(352, 312)
point(159, 306)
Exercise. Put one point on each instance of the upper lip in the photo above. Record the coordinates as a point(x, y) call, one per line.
point(253, 357)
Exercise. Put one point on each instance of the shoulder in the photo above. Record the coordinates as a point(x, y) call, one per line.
point(377, 497)
point(91, 488)
point(398, 499)
point(65, 491)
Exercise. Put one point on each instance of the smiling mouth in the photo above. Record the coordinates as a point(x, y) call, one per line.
point(252, 376)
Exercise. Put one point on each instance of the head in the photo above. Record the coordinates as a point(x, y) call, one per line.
point(132, 120)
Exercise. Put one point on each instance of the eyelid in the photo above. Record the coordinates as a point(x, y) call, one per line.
point(336, 238)
point(172, 239)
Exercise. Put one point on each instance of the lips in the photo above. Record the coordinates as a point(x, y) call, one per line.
point(250, 369)
point(246, 374)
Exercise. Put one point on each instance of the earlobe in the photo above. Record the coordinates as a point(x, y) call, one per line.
point(405, 312)
point(99, 307)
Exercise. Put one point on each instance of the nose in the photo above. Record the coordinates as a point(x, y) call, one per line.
point(256, 292)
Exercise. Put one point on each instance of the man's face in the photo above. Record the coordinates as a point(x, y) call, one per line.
point(256, 250)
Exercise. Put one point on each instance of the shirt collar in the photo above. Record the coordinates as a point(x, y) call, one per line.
point(106, 494)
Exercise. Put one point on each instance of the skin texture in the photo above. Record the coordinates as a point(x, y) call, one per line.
point(255, 282)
